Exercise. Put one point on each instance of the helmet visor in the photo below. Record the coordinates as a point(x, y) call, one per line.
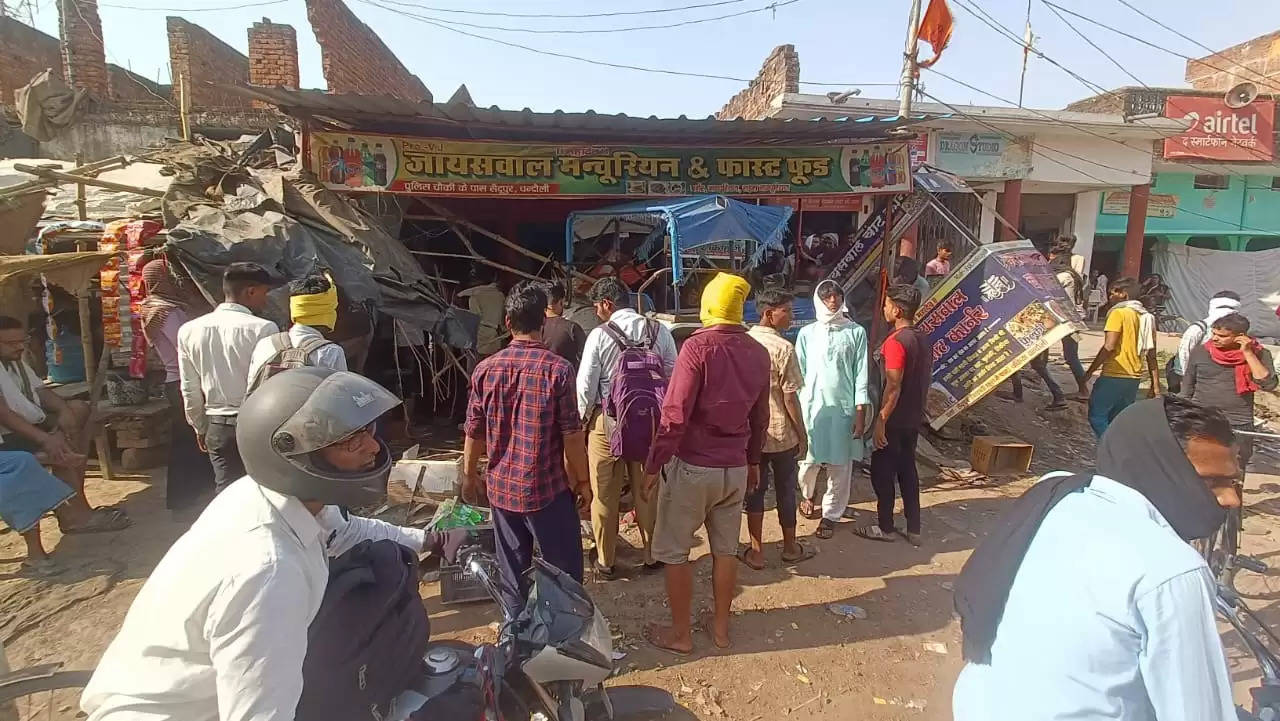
point(343, 404)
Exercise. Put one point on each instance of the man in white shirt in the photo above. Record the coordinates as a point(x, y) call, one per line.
point(214, 351)
point(35, 419)
point(1086, 601)
point(595, 376)
point(1222, 304)
point(313, 308)
point(219, 630)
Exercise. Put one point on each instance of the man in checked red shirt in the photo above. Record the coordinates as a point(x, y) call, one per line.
point(524, 409)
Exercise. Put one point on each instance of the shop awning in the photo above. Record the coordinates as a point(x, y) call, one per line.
point(385, 114)
point(691, 223)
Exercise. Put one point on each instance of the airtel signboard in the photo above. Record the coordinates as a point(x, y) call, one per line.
point(1219, 132)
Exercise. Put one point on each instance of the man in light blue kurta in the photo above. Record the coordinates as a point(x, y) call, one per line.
point(833, 359)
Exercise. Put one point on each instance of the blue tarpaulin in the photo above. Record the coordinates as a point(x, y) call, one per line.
point(691, 222)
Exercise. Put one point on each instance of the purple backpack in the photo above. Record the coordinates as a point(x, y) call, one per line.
point(634, 404)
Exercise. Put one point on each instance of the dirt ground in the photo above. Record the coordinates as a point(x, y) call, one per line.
point(792, 657)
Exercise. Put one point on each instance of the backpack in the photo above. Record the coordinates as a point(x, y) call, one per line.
point(287, 356)
point(635, 393)
point(367, 641)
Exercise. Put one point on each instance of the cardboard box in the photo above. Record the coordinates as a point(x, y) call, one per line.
point(422, 479)
point(1001, 455)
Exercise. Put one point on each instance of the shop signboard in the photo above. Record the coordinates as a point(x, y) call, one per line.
point(476, 169)
point(998, 309)
point(1160, 205)
point(864, 248)
point(1219, 132)
point(983, 155)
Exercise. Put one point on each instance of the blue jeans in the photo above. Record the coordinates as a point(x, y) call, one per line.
point(1109, 397)
point(557, 534)
point(1071, 354)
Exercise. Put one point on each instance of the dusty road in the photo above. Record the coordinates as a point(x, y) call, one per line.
point(792, 657)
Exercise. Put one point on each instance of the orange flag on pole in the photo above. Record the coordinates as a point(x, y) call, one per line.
point(935, 29)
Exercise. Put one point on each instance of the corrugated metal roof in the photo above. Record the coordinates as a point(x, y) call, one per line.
point(385, 114)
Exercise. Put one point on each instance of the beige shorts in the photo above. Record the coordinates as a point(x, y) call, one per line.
point(692, 496)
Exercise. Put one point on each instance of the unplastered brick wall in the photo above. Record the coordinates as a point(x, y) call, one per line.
point(207, 63)
point(84, 61)
point(355, 60)
point(1256, 60)
point(780, 74)
point(273, 55)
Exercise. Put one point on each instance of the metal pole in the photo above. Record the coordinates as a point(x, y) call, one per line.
point(909, 60)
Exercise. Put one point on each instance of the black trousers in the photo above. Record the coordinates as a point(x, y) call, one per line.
point(896, 463)
point(189, 475)
point(783, 469)
point(558, 535)
point(224, 454)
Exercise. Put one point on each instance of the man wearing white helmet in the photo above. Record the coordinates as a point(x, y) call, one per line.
point(219, 630)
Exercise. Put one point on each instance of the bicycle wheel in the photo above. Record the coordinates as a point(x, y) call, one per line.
point(42, 692)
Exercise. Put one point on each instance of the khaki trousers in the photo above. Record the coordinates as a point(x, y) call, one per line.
point(608, 477)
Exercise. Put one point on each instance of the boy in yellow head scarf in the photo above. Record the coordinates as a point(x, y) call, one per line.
point(722, 300)
point(313, 308)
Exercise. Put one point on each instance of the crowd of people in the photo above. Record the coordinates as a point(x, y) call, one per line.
point(1085, 597)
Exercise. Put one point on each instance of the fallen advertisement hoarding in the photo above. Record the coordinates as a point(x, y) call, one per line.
point(998, 309)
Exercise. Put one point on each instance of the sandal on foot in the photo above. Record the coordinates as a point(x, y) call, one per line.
point(742, 556)
point(873, 533)
point(826, 529)
point(650, 635)
point(42, 568)
point(707, 622)
point(806, 552)
point(912, 538)
point(809, 510)
point(654, 566)
point(101, 520)
point(1056, 406)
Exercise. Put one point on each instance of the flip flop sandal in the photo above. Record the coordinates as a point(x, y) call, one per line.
point(101, 520)
point(1059, 406)
point(706, 621)
point(826, 529)
point(806, 552)
point(742, 556)
point(912, 538)
point(648, 634)
point(43, 568)
point(873, 533)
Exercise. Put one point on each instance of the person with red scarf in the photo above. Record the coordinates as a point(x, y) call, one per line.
point(1226, 371)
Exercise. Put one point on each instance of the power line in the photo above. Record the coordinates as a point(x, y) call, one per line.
point(1148, 43)
point(1012, 136)
point(618, 13)
point(581, 31)
point(1258, 154)
point(1189, 39)
point(594, 61)
point(260, 3)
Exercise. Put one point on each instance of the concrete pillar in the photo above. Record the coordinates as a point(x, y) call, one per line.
point(987, 219)
point(1010, 209)
point(84, 62)
point(1084, 224)
point(1135, 230)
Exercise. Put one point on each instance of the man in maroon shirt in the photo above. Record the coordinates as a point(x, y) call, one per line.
point(524, 409)
point(714, 419)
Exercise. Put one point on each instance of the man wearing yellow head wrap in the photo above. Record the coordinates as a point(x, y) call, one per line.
point(313, 308)
point(714, 418)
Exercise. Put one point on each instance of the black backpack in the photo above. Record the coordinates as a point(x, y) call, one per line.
point(287, 356)
point(366, 643)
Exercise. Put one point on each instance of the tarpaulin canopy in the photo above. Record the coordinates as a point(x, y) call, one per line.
point(1195, 274)
point(691, 223)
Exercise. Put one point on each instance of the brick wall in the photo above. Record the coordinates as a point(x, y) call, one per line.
point(25, 51)
point(273, 55)
point(355, 60)
point(780, 74)
point(1259, 56)
point(201, 58)
point(84, 61)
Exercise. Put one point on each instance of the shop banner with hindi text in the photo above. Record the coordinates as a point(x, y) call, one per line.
point(484, 169)
point(998, 309)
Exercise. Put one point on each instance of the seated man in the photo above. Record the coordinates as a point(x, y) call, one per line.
point(35, 419)
point(27, 492)
point(219, 630)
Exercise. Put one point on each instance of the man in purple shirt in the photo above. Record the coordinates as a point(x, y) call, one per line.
point(714, 418)
point(524, 410)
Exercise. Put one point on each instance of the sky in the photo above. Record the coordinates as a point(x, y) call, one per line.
point(843, 44)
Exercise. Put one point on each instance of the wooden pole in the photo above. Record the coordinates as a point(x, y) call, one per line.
point(73, 178)
point(480, 259)
point(34, 185)
point(82, 206)
point(183, 107)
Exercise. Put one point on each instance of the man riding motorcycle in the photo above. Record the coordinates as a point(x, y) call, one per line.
point(219, 630)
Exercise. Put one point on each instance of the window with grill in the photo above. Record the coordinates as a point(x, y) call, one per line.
point(1211, 182)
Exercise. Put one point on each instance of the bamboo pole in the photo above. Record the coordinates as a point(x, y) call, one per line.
point(481, 259)
point(33, 185)
point(454, 221)
point(73, 178)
